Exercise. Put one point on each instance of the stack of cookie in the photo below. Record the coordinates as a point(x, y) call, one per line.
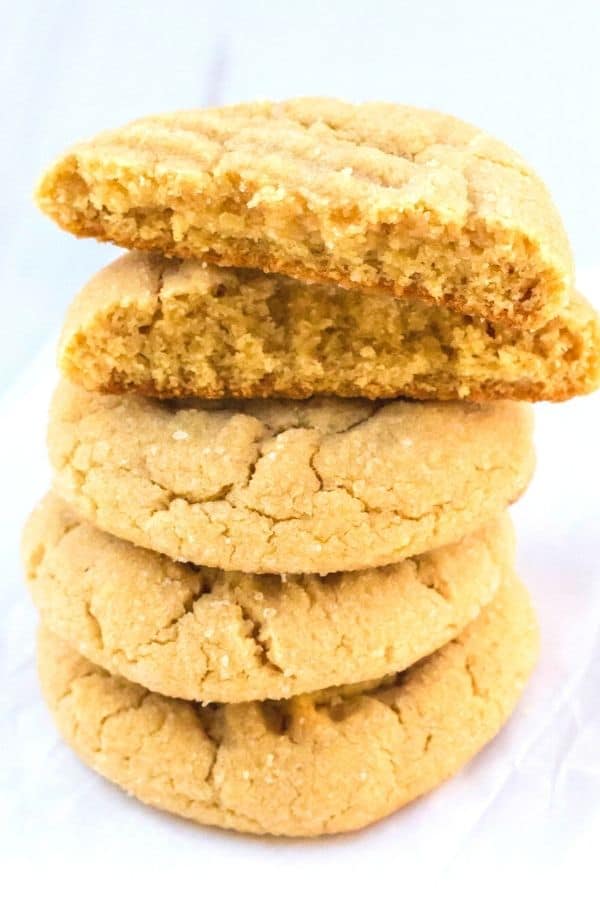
point(274, 596)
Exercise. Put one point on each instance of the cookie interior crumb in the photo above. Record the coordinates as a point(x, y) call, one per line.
point(169, 329)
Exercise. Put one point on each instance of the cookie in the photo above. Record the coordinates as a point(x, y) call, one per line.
point(377, 196)
point(311, 765)
point(214, 636)
point(257, 486)
point(170, 328)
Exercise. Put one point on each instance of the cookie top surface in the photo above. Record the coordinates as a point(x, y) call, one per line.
point(279, 486)
point(372, 195)
point(168, 328)
point(315, 764)
point(212, 636)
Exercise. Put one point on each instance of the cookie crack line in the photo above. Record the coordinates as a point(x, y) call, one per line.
point(254, 634)
point(470, 670)
point(35, 559)
point(224, 491)
point(255, 630)
point(115, 714)
point(97, 624)
point(223, 494)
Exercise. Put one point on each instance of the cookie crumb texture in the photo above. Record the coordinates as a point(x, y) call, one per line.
point(213, 636)
point(171, 328)
point(411, 202)
point(292, 487)
point(315, 764)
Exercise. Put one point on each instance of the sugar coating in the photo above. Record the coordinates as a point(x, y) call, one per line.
point(408, 201)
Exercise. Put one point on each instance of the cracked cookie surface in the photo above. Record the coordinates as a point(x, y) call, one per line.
point(314, 764)
point(168, 328)
point(213, 636)
point(373, 195)
point(313, 486)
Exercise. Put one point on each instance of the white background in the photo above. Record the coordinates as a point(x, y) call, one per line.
point(527, 71)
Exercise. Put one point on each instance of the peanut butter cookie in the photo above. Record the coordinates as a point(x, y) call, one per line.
point(287, 486)
point(170, 328)
point(213, 636)
point(408, 201)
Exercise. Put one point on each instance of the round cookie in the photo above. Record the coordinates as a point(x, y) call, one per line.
point(322, 485)
point(209, 635)
point(311, 765)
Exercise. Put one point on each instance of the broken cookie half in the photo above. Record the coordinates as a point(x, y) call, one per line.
point(170, 328)
point(411, 202)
